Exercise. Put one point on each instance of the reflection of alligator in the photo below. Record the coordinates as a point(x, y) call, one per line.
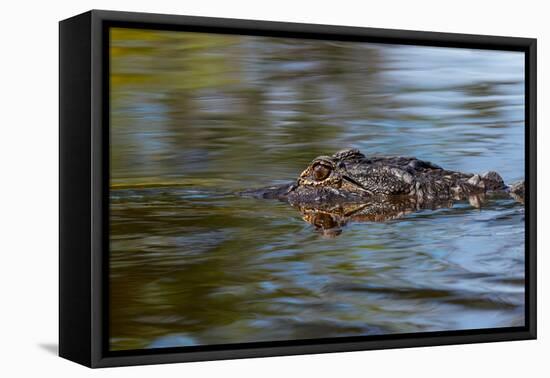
point(380, 188)
point(330, 218)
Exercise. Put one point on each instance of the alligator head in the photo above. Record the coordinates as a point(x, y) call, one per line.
point(349, 176)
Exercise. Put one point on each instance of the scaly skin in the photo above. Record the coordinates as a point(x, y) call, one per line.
point(349, 176)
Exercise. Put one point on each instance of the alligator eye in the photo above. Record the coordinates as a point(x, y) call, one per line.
point(321, 172)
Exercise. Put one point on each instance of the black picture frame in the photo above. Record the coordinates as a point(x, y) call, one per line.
point(84, 189)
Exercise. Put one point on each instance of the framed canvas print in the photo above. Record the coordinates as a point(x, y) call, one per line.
point(234, 188)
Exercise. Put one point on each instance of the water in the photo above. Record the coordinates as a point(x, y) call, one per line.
point(196, 118)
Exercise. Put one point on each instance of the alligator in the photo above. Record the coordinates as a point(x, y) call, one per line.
point(350, 185)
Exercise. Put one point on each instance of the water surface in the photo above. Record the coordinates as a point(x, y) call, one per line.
point(196, 118)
